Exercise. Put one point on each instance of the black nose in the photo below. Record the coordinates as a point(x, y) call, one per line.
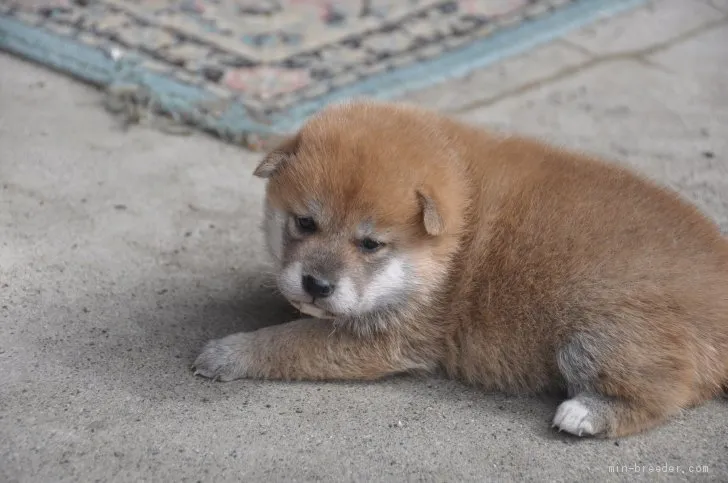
point(316, 287)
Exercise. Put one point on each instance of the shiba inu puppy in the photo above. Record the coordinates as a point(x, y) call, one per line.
point(416, 242)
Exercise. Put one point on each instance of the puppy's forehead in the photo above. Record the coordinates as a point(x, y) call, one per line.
point(364, 161)
point(353, 183)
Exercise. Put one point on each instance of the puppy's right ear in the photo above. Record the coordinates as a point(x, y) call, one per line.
point(276, 158)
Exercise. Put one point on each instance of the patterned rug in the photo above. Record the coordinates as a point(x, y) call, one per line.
point(249, 70)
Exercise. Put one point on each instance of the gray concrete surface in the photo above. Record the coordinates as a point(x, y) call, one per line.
point(122, 253)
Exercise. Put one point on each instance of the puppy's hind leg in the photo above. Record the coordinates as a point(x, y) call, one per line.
point(617, 387)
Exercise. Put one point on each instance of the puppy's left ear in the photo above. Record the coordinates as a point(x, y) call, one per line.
point(431, 217)
point(276, 158)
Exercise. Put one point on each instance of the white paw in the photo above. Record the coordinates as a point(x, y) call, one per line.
point(225, 359)
point(574, 417)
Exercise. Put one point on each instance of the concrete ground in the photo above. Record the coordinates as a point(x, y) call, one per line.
point(122, 253)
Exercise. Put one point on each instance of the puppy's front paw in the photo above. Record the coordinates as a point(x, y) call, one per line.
point(224, 359)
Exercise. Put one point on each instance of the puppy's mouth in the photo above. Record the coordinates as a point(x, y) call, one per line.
point(312, 310)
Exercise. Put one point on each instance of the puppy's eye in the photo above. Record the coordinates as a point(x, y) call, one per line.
point(370, 246)
point(305, 224)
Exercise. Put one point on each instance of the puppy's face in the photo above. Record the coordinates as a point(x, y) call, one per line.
point(341, 266)
point(357, 216)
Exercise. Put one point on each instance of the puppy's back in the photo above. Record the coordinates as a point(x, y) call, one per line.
point(563, 244)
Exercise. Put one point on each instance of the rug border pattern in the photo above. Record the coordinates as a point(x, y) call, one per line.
point(233, 122)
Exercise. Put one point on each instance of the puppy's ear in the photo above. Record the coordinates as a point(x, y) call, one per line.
point(434, 224)
point(276, 158)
